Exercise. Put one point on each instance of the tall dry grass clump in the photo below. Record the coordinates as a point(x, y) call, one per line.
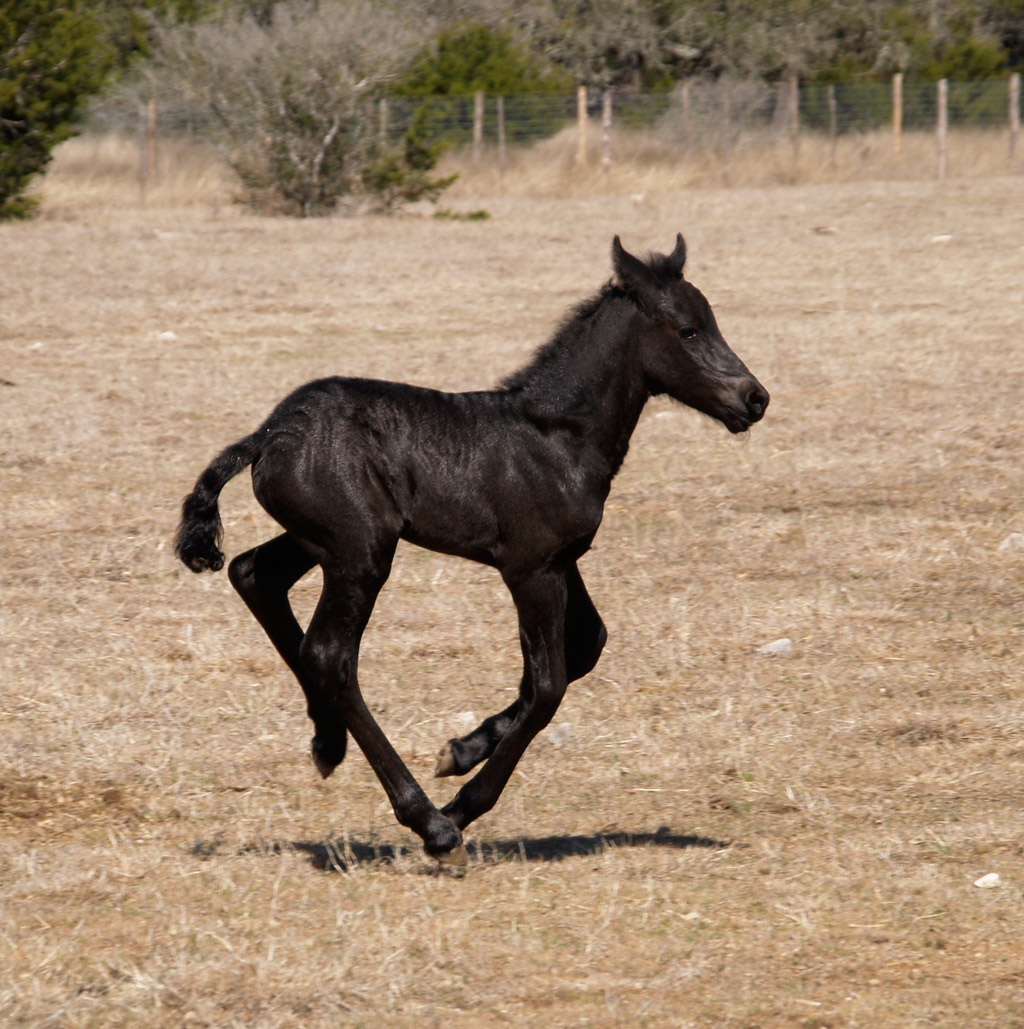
point(96, 173)
point(642, 161)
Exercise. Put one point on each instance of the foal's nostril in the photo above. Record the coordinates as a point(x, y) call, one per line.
point(757, 401)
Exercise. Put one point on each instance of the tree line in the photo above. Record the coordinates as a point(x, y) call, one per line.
point(292, 87)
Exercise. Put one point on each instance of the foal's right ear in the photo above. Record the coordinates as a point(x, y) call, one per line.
point(677, 258)
point(634, 276)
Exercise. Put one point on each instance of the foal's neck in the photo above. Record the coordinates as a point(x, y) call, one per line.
point(590, 374)
point(619, 390)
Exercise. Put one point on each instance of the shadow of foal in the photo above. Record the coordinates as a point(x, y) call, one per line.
point(343, 855)
point(515, 478)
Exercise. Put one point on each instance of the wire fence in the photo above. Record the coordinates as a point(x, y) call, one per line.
point(716, 116)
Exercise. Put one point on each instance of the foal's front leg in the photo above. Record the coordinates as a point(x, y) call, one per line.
point(541, 602)
point(585, 637)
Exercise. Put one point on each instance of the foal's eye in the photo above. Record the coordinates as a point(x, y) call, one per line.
point(687, 333)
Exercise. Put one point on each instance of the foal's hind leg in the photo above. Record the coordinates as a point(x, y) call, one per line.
point(585, 637)
point(458, 756)
point(263, 576)
point(330, 655)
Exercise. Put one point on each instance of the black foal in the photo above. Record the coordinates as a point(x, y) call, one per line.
point(515, 478)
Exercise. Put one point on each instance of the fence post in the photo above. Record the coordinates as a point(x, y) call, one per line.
point(833, 123)
point(897, 112)
point(1014, 115)
point(686, 110)
point(151, 126)
point(942, 126)
point(794, 115)
point(501, 134)
point(478, 125)
point(606, 130)
point(147, 146)
point(383, 112)
point(581, 122)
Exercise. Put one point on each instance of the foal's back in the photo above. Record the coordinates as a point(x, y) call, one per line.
point(461, 473)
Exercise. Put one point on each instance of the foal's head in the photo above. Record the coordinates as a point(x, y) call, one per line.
point(682, 352)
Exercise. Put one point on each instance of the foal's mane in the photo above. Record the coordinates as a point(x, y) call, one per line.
point(550, 367)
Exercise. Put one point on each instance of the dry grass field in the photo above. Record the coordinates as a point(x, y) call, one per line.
point(708, 836)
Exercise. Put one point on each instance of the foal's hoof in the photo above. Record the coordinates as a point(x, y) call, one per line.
point(445, 762)
point(455, 860)
point(444, 845)
point(325, 759)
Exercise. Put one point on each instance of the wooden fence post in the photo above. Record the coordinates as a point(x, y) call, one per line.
point(1014, 115)
point(606, 130)
point(581, 122)
point(478, 125)
point(152, 152)
point(794, 115)
point(942, 126)
point(383, 112)
point(501, 134)
point(833, 124)
point(147, 146)
point(897, 112)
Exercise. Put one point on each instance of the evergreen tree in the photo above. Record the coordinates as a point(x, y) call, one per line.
point(468, 57)
point(51, 60)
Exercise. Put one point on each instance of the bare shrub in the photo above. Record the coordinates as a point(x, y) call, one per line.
point(721, 113)
point(292, 98)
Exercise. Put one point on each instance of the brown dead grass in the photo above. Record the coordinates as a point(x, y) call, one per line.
point(711, 837)
point(643, 162)
point(96, 173)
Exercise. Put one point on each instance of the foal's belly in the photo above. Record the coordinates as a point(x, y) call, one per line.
point(520, 524)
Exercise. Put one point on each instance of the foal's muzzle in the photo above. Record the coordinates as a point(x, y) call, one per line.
point(755, 402)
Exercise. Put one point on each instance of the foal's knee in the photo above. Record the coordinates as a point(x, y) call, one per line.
point(328, 662)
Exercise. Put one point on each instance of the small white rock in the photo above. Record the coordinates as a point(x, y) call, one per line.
point(1015, 541)
point(777, 648)
point(560, 734)
point(988, 882)
point(167, 337)
point(944, 238)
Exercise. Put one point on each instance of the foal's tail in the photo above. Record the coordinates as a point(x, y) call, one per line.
point(197, 542)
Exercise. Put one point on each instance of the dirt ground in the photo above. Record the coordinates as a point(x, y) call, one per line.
point(707, 836)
